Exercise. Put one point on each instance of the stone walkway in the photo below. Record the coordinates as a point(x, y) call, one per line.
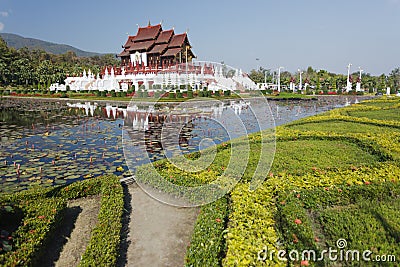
point(158, 233)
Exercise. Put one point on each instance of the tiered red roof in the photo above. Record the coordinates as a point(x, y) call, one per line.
point(124, 53)
point(165, 37)
point(157, 43)
point(148, 33)
point(177, 40)
point(172, 52)
point(158, 49)
point(129, 41)
point(141, 45)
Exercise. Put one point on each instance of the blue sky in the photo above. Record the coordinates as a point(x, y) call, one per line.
point(324, 34)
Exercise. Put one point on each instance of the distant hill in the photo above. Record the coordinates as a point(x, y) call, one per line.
point(18, 41)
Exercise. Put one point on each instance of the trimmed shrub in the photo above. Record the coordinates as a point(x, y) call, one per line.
point(43, 209)
point(208, 242)
point(40, 219)
point(178, 94)
point(103, 247)
point(171, 95)
point(227, 93)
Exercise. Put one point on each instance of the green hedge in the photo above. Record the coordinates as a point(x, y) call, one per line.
point(103, 248)
point(171, 95)
point(41, 216)
point(355, 213)
point(227, 93)
point(178, 94)
point(207, 246)
point(42, 210)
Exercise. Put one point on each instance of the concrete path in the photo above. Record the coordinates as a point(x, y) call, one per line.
point(158, 233)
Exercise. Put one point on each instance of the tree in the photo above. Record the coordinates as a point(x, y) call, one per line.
point(394, 79)
point(22, 71)
point(334, 85)
point(45, 72)
point(6, 57)
point(256, 76)
point(382, 82)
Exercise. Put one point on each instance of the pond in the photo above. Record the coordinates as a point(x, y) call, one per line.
point(55, 142)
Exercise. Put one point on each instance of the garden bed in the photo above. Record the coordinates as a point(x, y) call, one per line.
point(42, 211)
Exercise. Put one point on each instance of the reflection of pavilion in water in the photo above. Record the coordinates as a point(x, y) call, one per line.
point(156, 127)
point(142, 122)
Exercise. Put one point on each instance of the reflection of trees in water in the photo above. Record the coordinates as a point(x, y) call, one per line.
point(23, 113)
point(30, 118)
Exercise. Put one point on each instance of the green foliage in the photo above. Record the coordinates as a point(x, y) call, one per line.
point(227, 93)
point(251, 226)
point(301, 148)
point(64, 95)
point(38, 223)
point(80, 189)
point(179, 94)
point(321, 154)
point(294, 224)
point(208, 242)
point(171, 95)
point(11, 216)
point(343, 126)
point(103, 247)
point(27, 68)
point(42, 210)
point(367, 213)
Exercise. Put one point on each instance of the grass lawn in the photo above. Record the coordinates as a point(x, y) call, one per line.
point(300, 157)
point(365, 216)
point(343, 127)
point(388, 114)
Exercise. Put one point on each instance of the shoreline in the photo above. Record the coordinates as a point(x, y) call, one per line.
point(142, 101)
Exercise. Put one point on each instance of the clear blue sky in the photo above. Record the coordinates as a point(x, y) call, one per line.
point(324, 34)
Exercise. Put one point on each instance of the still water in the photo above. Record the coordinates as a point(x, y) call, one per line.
point(55, 142)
